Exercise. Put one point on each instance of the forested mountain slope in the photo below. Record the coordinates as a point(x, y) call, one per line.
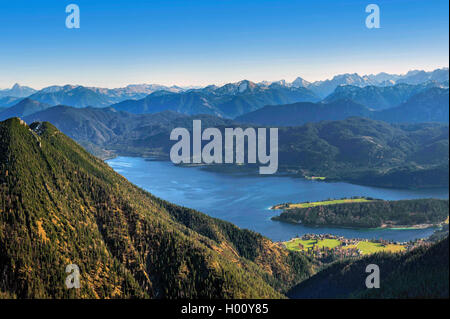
point(420, 273)
point(59, 205)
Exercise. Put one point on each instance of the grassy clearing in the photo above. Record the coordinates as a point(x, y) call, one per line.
point(295, 243)
point(315, 178)
point(329, 243)
point(323, 203)
point(366, 247)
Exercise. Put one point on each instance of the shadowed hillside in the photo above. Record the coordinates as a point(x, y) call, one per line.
point(421, 273)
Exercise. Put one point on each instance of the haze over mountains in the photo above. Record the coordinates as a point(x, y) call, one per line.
point(25, 107)
point(428, 105)
point(324, 88)
point(235, 99)
point(80, 96)
point(230, 100)
point(379, 97)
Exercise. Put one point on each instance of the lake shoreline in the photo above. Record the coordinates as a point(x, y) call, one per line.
point(383, 227)
point(249, 170)
point(245, 200)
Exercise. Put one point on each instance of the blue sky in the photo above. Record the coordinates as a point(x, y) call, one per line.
point(197, 42)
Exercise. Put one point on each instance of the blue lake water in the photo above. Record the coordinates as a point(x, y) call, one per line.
point(245, 200)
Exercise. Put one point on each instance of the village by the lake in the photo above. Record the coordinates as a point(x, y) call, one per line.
point(331, 247)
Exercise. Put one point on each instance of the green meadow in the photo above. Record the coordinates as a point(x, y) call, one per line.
point(322, 203)
point(366, 247)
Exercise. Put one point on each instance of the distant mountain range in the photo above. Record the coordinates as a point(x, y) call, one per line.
point(379, 97)
point(264, 104)
point(230, 100)
point(324, 88)
point(429, 105)
point(80, 96)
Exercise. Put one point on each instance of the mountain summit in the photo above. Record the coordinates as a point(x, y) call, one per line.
point(17, 91)
point(24, 108)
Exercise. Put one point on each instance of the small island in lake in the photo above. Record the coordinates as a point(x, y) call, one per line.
point(364, 212)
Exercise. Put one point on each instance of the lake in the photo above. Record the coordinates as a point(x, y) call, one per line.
point(244, 200)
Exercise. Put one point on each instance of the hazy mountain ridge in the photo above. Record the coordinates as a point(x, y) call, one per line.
point(428, 105)
point(431, 105)
point(230, 100)
point(325, 87)
point(17, 91)
point(303, 112)
point(80, 96)
point(9, 101)
point(376, 97)
point(24, 108)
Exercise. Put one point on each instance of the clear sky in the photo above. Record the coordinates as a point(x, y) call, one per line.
point(199, 42)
